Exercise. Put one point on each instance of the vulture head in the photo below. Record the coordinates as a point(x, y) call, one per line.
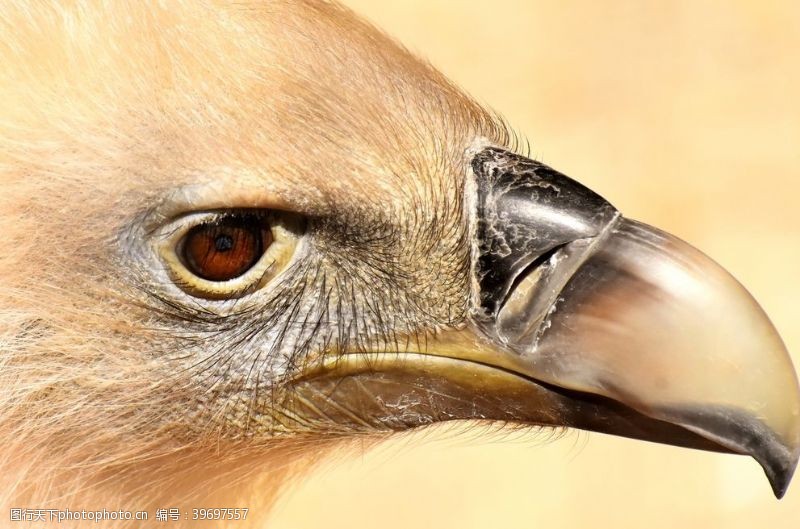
point(237, 236)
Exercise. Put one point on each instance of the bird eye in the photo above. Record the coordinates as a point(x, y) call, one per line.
point(226, 249)
point(227, 254)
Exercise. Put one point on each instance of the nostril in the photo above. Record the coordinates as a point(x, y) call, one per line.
point(544, 261)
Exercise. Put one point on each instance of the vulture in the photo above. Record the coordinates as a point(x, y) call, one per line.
point(241, 236)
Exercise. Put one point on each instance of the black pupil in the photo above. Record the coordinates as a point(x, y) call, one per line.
point(223, 243)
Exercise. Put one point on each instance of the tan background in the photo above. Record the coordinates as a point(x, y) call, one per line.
point(685, 115)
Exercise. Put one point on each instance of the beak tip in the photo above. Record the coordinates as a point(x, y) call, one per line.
point(779, 468)
point(741, 433)
point(779, 475)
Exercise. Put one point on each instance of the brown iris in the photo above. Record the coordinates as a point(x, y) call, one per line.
point(226, 249)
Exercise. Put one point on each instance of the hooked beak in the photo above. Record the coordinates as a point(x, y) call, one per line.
point(585, 319)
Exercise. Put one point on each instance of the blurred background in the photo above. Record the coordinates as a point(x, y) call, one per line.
point(685, 115)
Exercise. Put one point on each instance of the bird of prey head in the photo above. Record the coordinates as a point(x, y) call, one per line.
point(235, 234)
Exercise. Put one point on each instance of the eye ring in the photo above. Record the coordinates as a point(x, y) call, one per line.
point(267, 242)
